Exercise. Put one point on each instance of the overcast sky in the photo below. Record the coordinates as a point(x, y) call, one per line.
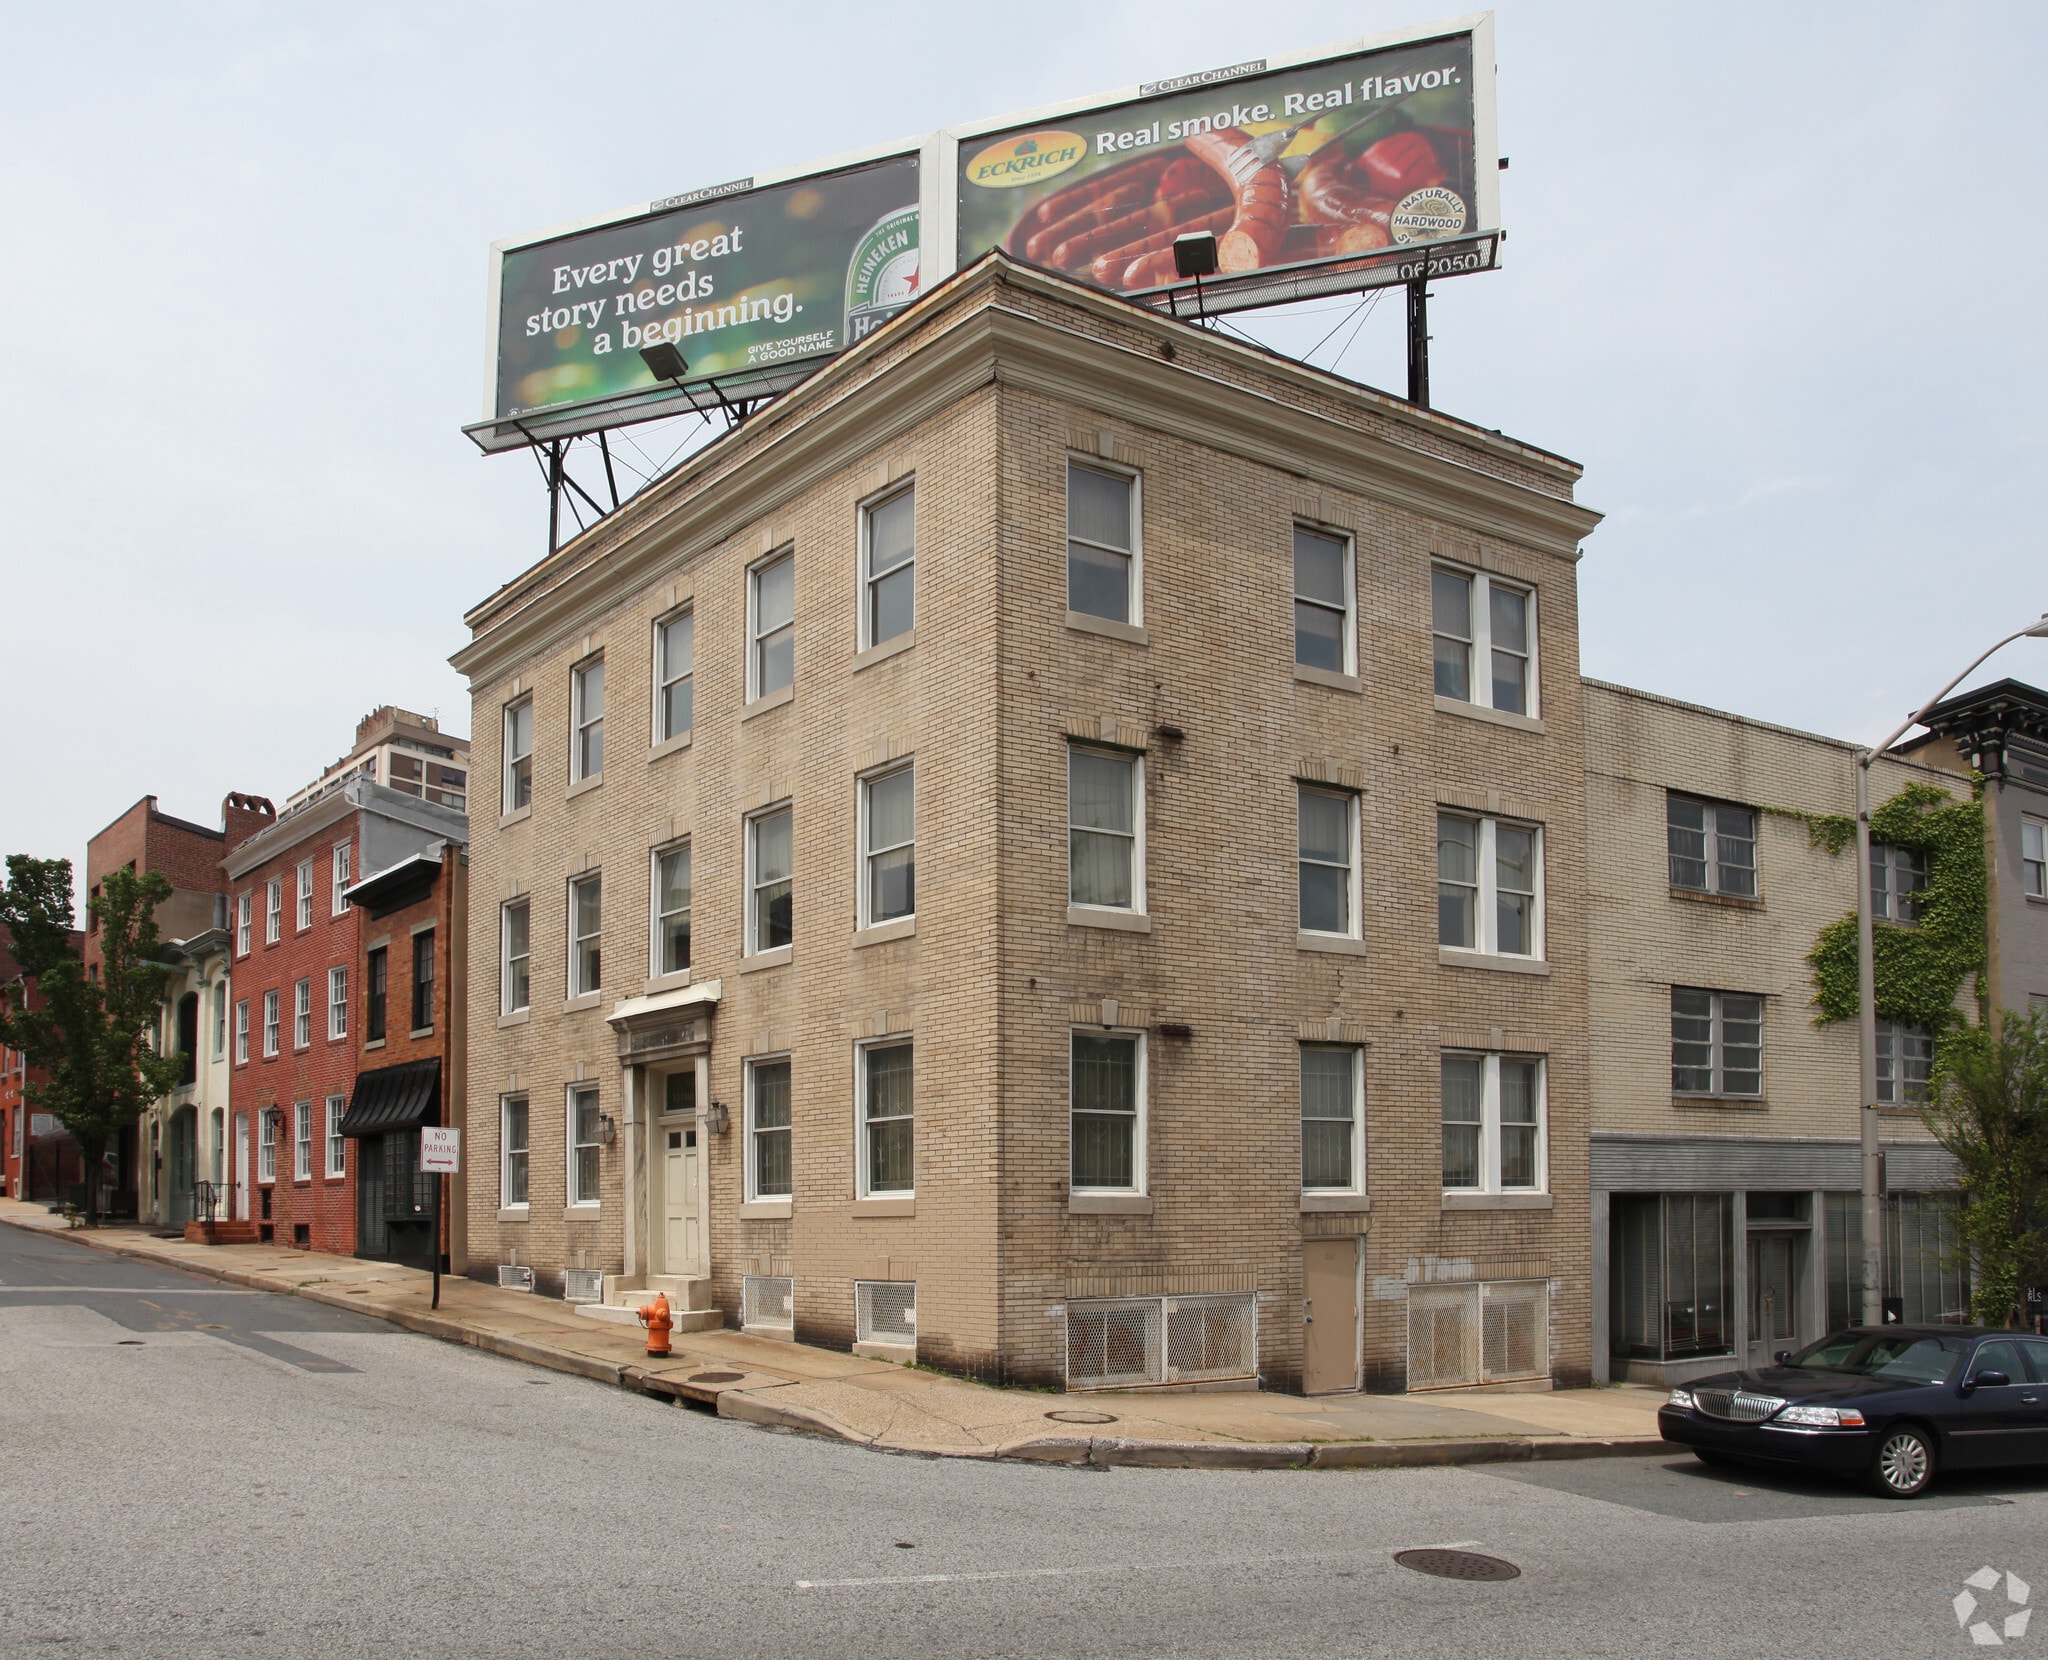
point(1772, 277)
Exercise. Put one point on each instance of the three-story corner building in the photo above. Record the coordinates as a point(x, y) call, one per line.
point(1725, 1157)
point(1057, 848)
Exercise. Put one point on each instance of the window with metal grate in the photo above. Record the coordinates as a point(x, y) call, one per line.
point(767, 1300)
point(1480, 1331)
point(885, 1311)
point(1125, 1341)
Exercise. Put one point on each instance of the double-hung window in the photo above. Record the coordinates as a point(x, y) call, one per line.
point(1332, 1099)
point(337, 1002)
point(768, 1130)
point(1493, 1123)
point(515, 961)
point(512, 1151)
point(242, 1031)
point(771, 626)
point(1106, 1096)
point(1905, 1057)
point(1484, 640)
point(586, 719)
point(887, 1149)
point(1103, 562)
point(1712, 846)
point(671, 910)
point(889, 845)
point(771, 884)
point(242, 904)
point(304, 895)
point(586, 934)
point(586, 1128)
point(2034, 858)
point(1326, 831)
point(270, 1023)
point(273, 910)
point(889, 549)
point(1105, 829)
point(220, 1022)
point(302, 1141)
point(1717, 1042)
point(1324, 629)
point(423, 980)
point(1489, 886)
point(266, 1143)
point(1897, 874)
point(675, 666)
point(337, 1145)
point(339, 903)
point(376, 993)
point(302, 1014)
point(518, 768)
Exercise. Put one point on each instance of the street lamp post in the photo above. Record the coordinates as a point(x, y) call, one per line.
point(1866, 991)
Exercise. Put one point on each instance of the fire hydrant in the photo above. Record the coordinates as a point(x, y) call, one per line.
point(655, 1317)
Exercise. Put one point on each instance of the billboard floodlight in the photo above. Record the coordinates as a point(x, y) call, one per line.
point(1194, 255)
point(664, 360)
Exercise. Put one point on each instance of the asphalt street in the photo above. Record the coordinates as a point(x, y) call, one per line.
point(191, 1470)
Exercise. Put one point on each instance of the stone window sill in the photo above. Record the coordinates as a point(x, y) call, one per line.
point(883, 652)
point(420, 1032)
point(775, 1334)
point(778, 957)
point(893, 1205)
point(515, 1213)
point(518, 1017)
point(1338, 944)
point(583, 786)
point(1452, 956)
point(774, 700)
point(1493, 717)
point(518, 815)
point(374, 1043)
point(1096, 916)
point(1723, 1103)
point(902, 1354)
point(1323, 1203)
point(881, 933)
point(1131, 633)
point(581, 1213)
point(1734, 901)
point(1310, 676)
point(765, 1210)
point(1498, 1201)
point(589, 1000)
point(669, 746)
point(1109, 1204)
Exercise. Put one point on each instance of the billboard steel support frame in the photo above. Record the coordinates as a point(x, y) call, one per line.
point(1418, 343)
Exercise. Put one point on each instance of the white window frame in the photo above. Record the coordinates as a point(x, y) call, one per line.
point(754, 1064)
point(304, 896)
point(681, 614)
point(266, 1144)
point(1134, 598)
point(1889, 1059)
point(1136, 760)
point(1140, 1127)
point(1353, 923)
point(2034, 858)
point(506, 958)
point(302, 1141)
point(341, 876)
point(337, 1143)
point(1479, 670)
point(755, 637)
point(244, 903)
point(270, 1023)
point(572, 1174)
point(302, 1013)
point(242, 1032)
point(863, 1169)
point(656, 915)
point(1356, 1052)
point(220, 1020)
point(273, 910)
point(1486, 917)
point(865, 875)
point(509, 758)
point(868, 579)
point(1489, 1127)
point(1718, 1051)
point(337, 1003)
point(507, 1153)
point(575, 980)
point(753, 946)
point(581, 722)
point(1349, 663)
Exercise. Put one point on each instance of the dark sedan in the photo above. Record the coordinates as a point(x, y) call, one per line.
point(1889, 1404)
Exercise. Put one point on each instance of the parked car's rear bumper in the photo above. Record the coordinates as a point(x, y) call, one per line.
point(1839, 1452)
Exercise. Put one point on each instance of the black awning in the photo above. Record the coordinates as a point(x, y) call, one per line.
point(394, 1098)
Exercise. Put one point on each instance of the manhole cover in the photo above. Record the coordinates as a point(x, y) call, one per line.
point(716, 1377)
point(1457, 1564)
point(124, 1341)
point(1083, 1417)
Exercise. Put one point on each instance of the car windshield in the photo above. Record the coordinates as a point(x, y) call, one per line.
point(1903, 1358)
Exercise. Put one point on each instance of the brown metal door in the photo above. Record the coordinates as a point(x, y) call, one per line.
point(1329, 1315)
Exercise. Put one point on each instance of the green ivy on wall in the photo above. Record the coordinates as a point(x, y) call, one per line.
point(1919, 970)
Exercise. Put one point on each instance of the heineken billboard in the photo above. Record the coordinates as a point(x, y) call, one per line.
point(752, 282)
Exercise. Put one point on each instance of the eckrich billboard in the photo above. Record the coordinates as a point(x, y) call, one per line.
point(1360, 165)
point(751, 282)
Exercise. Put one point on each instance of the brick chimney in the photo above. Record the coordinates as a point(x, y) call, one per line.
point(241, 816)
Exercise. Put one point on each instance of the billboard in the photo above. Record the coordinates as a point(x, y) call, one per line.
point(752, 282)
point(1361, 165)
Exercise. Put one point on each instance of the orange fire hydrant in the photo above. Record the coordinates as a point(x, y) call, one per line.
point(655, 1317)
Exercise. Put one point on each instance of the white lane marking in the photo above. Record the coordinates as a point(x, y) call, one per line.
point(1122, 1568)
point(130, 1291)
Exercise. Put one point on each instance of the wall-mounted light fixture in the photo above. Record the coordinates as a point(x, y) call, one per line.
point(607, 1128)
point(716, 1119)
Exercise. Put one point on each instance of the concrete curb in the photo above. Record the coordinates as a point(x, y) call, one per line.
point(1076, 1451)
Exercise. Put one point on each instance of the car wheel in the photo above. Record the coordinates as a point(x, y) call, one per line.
point(1706, 1455)
point(1903, 1466)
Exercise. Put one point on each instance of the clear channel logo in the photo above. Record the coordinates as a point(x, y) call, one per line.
point(1989, 1631)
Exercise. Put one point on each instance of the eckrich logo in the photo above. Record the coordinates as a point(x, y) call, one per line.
point(881, 278)
point(1982, 1632)
point(1016, 161)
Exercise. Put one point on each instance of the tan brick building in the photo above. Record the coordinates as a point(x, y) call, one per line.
point(1725, 1156)
point(988, 870)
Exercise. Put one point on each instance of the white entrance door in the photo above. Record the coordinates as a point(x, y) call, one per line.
point(241, 1167)
point(679, 1199)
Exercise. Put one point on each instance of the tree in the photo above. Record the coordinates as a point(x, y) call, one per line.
point(89, 1046)
point(1990, 1111)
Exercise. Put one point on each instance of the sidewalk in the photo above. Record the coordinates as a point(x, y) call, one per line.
point(899, 1408)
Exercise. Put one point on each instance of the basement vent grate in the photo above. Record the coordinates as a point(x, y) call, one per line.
point(582, 1285)
point(514, 1277)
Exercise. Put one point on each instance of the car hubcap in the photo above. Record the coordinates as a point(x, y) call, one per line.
point(1904, 1463)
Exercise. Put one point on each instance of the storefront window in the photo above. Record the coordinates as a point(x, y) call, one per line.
point(1925, 1282)
point(1670, 1274)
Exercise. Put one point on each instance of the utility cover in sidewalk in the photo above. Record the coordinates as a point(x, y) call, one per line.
point(1457, 1564)
point(716, 1377)
point(1084, 1417)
